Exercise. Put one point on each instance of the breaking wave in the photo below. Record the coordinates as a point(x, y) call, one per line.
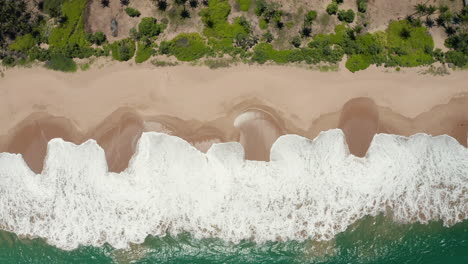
point(310, 188)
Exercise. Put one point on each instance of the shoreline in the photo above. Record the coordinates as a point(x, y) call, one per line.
point(116, 104)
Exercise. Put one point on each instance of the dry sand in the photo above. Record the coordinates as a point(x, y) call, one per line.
point(114, 105)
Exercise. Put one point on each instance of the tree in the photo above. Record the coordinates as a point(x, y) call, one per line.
point(180, 2)
point(429, 22)
point(184, 13)
point(162, 5)
point(306, 31)
point(193, 3)
point(125, 2)
point(362, 5)
point(332, 8)
point(347, 16)
point(105, 3)
point(405, 33)
point(420, 9)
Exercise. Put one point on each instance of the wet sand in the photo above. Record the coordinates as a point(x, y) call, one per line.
point(216, 109)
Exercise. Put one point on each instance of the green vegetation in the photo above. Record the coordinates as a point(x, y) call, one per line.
point(144, 52)
point(310, 16)
point(244, 5)
point(97, 38)
point(358, 62)
point(58, 62)
point(53, 7)
point(347, 16)
point(123, 50)
point(132, 12)
point(15, 20)
point(23, 43)
point(70, 38)
point(186, 47)
point(332, 8)
point(149, 27)
point(362, 5)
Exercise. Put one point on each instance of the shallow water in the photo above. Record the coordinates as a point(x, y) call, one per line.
point(370, 240)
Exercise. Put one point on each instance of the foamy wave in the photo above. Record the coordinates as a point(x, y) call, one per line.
point(309, 189)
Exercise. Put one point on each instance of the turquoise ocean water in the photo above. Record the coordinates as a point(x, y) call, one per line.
point(370, 240)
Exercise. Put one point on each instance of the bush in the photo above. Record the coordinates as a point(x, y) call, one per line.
point(332, 8)
point(53, 7)
point(457, 58)
point(144, 52)
point(296, 41)
point(59, 62)
point(149, 27)
point(347, 16)
point(97, 38)
point(72, 31)
point(357, 62)
point(458, 42)
point(310, 16)
point(123, 50)
point(244, 5)
point(263, 24)
point(23, 43)
point(8, 61)
point(132, 12)
point(188, 47)
point(362, 5)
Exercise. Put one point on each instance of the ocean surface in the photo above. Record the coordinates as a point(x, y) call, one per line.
point(405, 202)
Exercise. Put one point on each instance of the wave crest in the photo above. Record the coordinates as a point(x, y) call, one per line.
point(310, 188)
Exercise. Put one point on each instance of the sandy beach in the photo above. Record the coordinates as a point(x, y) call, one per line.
point(250, 104)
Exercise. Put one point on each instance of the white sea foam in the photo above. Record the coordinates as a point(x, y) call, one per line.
point(310, 188)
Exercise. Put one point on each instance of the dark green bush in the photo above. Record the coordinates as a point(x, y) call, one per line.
point(358, 62)
point(132, 12)
point(23, 43)
point(310, 16)
point(188, 47)
point(347, 16)
point(362, 5)
point(458, 58)
point(97, 38)
point(143, 53)
point(149, 27)
point(123, 50)
point(59, 62)
point(53, 7)
point(332, 8)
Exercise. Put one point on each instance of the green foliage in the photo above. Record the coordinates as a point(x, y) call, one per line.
point(59, 62)
point(71, 33)
point(458, 42)
point(23, 43)
point(310, 16)
point(144, 52)
point(412, 50)
point(39, 54)
point(358, 62)
point(123, 50)
point(15, 20)
point(187, 47)
point(332, 8)
point(8, 61)
point(362, 5)
point(347, 16)
point(244, 5)
point(458, 58)
point(263, 24)
point(296, 41)
point(53, 7)
point(132, 12)
point(97, 38)
point(149, 27)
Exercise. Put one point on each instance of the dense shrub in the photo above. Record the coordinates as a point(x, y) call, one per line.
point(310, 16)
point(358, 62)
point(362, 5)
point(458, 58)
point(23, 43)
point(347, 16)
point(143, 53)
point(149, 27)
point(123, 50)
point(263, 24)
point(15, 20)
point(332, 8)
point(132, 12)
point(244, 5)
point(60, 62)
point(458, 42)
point(72, 31)
point(97, 38)
point(188, 47)
point(53, 7)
